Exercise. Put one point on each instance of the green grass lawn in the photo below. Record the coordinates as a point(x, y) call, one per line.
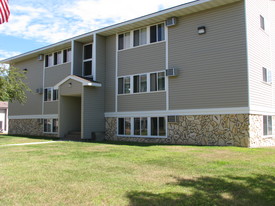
point(77, 173)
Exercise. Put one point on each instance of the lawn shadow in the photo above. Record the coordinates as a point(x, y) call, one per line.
point(225, 190)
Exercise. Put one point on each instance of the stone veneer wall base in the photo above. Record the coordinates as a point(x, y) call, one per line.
point(220, 130)
point(28, 127)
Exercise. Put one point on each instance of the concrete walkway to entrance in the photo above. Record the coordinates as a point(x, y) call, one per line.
point(32, 143)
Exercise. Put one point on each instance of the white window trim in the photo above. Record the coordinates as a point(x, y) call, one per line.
point(272, 133)
point(52, 89)
point(268, 81)
point(87, 60)
point(148, 83)
point(148, 128)
point(147, 37)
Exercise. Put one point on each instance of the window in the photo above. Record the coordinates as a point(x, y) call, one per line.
point(267, 125)
point(124, 85)
point(57, 58)
point(157, 33)
point(157, 81)
point(49, 60)
point(51, 125)
point(140, 37)
point(138, 126)
point(158, 127)
point(140, 83)
point(124, 41)
point(267, 75)
point(124, 126)
point(262, 22)
point(67, 55)
point(87, 60)
point(50, 94)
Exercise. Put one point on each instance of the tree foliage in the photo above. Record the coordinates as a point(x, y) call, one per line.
point(12, 85)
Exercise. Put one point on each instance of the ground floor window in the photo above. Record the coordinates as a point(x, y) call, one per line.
point(267, 125)
point(142, 126)
point(51, 125)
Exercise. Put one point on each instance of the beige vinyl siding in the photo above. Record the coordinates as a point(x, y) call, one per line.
point(110, 80)
point(212, 67)
point(55, 74)
point(259, 52)
point(143, 59)
point(51, 107)
point(77, 58)
point(142, 102)
point(70, 88)
point(93, 97)
point(34, 80)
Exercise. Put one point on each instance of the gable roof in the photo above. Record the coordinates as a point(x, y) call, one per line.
point(85, 81)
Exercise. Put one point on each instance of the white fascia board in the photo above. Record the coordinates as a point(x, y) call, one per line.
point(78, 79)
point(212, 111)
point(261, 110)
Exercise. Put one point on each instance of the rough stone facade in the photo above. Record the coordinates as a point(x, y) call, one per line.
point(31, 127)
point(222, 130)
point(256, 132)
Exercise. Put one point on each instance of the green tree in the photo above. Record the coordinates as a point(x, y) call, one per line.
point(12, 85)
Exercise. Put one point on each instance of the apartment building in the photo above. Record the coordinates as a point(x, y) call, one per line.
point(4, 117)
point(196, 74)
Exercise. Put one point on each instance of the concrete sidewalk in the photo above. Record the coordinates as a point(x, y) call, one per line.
point(32, 143)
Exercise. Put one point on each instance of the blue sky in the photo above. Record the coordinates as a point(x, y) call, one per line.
point(37, 23)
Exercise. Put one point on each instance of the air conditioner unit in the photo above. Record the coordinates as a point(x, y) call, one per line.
point(39, 90)
point(171, 72)
point(173, 119)
point(40, 57)
point(171, 21)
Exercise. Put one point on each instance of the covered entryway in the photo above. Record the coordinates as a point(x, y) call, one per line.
point(74, 96)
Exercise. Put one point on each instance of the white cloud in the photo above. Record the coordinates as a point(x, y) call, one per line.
point(7, 54)
point(51, 21)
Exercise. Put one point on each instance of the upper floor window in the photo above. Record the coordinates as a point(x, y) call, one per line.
point(157, 81)
point(124, 41)
point(87, 60)
point(57, 58)
point(156, 33)
point(140, 37)
point(262, 22)
point(267, 125)
point(141, 83)
point(67, 55)
point(50, 94)
point(267, 75)
point(145, 35)
point(124, 85)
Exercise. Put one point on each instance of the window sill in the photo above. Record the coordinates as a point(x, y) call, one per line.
point(268, 136)
point(267, 83)
point(51, 101)
point(56, 65)
point(50, 132)
point(143, 45)
point(141, 93)
point(137, 136)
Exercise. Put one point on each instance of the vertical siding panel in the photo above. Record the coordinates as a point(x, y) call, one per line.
point(110, 82)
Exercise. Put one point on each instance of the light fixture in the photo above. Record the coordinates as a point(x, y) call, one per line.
point(201, 30)
point(25, 70)
point(70, 84)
